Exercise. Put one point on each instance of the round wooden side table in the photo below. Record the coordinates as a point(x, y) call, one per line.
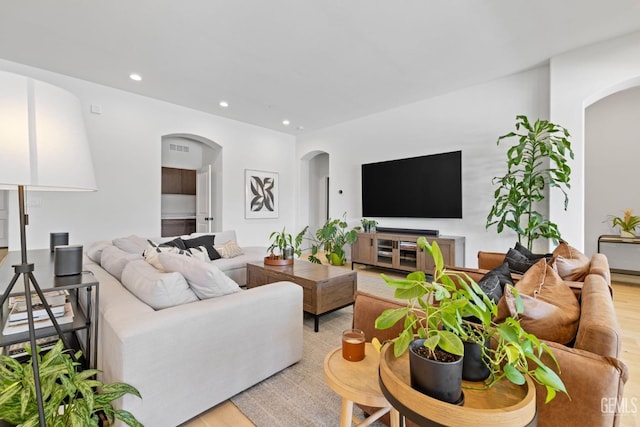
point(357, 382)
point(503, 405)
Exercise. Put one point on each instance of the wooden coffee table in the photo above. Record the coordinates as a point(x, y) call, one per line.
point(325, 288)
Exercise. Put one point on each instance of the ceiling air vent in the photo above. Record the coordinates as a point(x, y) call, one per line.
point(180, 148)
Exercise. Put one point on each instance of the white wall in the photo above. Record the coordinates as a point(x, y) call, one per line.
point(470, 120)
point(126, 148)
point(577, 79)
point(612, 152)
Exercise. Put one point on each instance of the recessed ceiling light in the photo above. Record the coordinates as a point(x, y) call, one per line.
point(224, 104)
point(134, 76)
point(286, 122)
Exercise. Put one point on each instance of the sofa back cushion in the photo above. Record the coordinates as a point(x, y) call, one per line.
point(132, 244)
point(551, 309)
point(366, 310)
point(156, 289)
point(114, 260)
point(205, 279)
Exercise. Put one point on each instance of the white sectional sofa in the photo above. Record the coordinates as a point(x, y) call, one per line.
point(188, 358)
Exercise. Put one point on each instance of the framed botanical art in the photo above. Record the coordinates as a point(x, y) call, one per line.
point(261, 194)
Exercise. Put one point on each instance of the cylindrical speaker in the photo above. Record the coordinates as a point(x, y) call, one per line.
point(58, 239)
point(67, 260)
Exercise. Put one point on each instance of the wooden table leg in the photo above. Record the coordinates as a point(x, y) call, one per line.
point(395, 417)
point(346, 413)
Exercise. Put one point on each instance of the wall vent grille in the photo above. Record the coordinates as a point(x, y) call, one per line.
point(179, 148)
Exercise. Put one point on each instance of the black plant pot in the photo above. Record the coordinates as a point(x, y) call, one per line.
point(473, 368)
point(440, 380)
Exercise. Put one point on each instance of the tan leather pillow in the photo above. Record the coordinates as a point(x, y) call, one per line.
point(551, 309)
point(570, 263)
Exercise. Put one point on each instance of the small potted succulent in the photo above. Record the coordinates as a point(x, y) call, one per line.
point(628, 223)
point(283, 247)
point(369, 225)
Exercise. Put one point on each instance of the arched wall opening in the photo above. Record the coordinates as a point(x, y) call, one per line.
point(314, 189)
point(188, 151)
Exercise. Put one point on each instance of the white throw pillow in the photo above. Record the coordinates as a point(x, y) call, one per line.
point(157, 290)
point(205, 279)
point(114, 260)
point(229, 249)
point(152, 251)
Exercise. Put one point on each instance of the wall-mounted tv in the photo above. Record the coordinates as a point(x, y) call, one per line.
point(417, 187)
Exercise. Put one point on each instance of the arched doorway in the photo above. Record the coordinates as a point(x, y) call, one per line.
point(314, 185)
point(193, 153)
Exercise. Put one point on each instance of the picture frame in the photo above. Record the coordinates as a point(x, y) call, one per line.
point(261, 194)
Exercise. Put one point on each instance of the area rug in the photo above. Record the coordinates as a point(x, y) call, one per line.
point(298, 395)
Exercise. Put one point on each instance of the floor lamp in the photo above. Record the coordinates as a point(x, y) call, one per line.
point(43, 146)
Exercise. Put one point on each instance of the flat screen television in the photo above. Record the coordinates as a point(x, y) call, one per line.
point(417, 187)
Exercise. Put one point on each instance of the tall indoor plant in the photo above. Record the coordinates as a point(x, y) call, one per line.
point(71, 398)
point(331, 238)
point(537, 162)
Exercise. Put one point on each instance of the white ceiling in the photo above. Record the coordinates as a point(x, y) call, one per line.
point(314, 62)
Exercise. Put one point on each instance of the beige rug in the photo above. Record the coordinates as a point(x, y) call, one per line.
point(298, 395)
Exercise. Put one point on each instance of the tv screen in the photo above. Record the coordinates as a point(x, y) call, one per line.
point(417, 187)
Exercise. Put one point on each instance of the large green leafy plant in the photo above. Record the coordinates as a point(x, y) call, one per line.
point(536, 162)
point(282, 240)
point(332, 238)
point(452, 308)
point(71, 398)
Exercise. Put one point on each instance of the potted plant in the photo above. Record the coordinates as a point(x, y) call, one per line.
point(434, 313)
point(283, 247)
point(332, 238)
point(452, 310)
point(70, 397)
point(369, 225)
point(627, 223)
point(537, 161)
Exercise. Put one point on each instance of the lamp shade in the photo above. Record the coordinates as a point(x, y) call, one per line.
point(43, 140)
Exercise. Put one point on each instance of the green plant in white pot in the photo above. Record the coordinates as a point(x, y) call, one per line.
point(537, 161)
point(71, 398)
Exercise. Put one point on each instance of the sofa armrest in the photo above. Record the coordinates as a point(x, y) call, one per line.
point(366, 308)
point(598, 330)
point(590, 380)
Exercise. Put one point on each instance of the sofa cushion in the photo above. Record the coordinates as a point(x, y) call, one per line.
point(551, 309)
point(94, 250)
point(156, 289)
point(207, 240)
point(570, 263)
point(205, 279)
point(114, 260)
point(132, 244)
point(229, 249)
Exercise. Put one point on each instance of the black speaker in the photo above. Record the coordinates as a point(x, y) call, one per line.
point(67, 260)
point(58, 239)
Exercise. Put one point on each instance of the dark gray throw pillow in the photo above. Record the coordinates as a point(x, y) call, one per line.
point(490, 284)
point(207, 241)
point(177, 243)
point(530, 255)
point(518, 263)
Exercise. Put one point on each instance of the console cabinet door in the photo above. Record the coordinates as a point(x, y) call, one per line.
point(362, 249)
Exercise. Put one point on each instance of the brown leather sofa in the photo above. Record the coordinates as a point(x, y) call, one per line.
point(590, 369)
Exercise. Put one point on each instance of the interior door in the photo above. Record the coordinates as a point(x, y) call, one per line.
point(4, 219)
point(204, 212)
